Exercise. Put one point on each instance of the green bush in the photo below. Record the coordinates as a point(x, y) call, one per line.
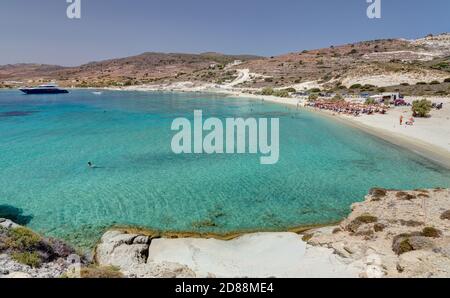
point(421, 108)
point(401, 245)
point(22, 239)
point(431, 232)
point(378, 192)
point(370, 101)
point(447, 80)
point(387, 101)
point(405, 196)
point(421, 83)
point(441, 66)
point(378, 227)
point(446, 215)
point(366, 219)
point(338, 97)
point(314, 90)
point(411, 223)
point(281, 93)
point(313, 97)
point(355, 86)
point(267, 91)
point(354, 225)
point(367, 87)
point(31, 259)
point(435, 83)
point(291, 90)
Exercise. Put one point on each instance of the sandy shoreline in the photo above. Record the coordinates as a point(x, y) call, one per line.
point(433, 152)
point(430, 140)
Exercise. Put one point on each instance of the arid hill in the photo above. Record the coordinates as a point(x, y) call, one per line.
point(350, 64)
point(141, 69)
point(378, 63)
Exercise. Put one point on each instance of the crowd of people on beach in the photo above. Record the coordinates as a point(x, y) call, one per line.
point(343, 107)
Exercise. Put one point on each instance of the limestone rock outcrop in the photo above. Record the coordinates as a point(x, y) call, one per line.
point(395, 234)
point(129, 253)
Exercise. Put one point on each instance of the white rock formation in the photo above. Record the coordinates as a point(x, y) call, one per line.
point(129, 252)
point(253, 255)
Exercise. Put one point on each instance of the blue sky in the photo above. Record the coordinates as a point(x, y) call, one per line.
point(39, 31)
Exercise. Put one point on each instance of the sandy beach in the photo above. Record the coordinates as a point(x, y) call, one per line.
point(429, 137)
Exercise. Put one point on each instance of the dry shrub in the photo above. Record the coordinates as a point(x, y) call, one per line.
point(378, 192)
point(446, 215)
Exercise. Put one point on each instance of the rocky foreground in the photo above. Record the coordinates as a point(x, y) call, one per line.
point(391, 234)
point(394, 234)
point(25, 254)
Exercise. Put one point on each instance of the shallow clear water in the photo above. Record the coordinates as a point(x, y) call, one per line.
point(46, 142)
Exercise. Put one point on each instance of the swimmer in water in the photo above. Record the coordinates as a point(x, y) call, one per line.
point(91, 165)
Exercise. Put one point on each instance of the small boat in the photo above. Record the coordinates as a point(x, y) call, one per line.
point(44, 89)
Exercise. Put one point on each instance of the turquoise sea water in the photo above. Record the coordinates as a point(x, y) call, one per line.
point(46, 142)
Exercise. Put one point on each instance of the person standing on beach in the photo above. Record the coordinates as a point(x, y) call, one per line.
point(401, 120)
